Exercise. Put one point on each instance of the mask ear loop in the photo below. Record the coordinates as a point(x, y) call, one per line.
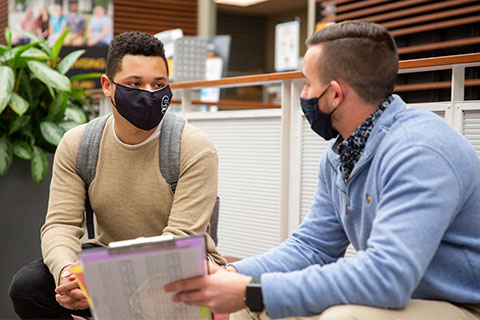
point(110, 96)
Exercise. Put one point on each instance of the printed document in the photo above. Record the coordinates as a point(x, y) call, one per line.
point(125, 281)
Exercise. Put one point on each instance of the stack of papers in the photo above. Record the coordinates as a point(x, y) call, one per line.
point(126, 280)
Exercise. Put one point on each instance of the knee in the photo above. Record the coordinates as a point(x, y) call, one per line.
point(340, 312)
point(31, 280)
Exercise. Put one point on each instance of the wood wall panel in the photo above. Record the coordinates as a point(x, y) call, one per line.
point(153, 16)
point(422, 29)
point(3, 19)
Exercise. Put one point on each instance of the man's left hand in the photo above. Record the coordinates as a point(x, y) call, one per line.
point(221, 291)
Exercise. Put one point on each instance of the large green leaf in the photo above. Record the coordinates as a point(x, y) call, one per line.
point(18, 123)
point(76, 114)
point(67, 125)
point(51, 132)
point(6, 86)
point(24, 48)
point(6, 154)
point(18, 104)
point(39, 164)
point(22, 149)
point(57, 46)
point(49, 76)
point(69, 60)
point(57, 109)
point(86, 76)
point(8, 56)
point(34, 54)
point(34, 38)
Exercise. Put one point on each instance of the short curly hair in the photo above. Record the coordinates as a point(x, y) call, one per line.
point(134, 43)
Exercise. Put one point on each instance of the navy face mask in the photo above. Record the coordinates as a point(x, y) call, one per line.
point(319, 122)
point(142, 108)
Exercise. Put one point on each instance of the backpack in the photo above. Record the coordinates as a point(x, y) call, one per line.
point(169, 160)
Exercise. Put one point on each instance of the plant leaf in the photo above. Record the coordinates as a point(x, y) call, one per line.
point(18, 104)
point(18, 123)
point(67, 125)
point(86, 76)
point(39, 164)
point(69, 60)
point(34, 54)
point(26, 132)
point(8, 37)
point(22, 149)
point(25, 48)
point(58, 107)
point(76, 114)
point(6, 86)
point(3, 49)
point(34, 38)
point(57, 46)
point(49, 76)
point(51, 132)
point(6, 154)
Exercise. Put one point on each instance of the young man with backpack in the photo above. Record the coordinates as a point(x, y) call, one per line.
point(114, 165)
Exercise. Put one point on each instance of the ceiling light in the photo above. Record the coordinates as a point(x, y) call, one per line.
point(240, 3)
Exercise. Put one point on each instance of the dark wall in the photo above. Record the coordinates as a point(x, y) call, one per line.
point(247, 52)
point(23, 206)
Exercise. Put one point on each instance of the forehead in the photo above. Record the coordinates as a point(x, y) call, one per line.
point(310, 65)
point(143, 66)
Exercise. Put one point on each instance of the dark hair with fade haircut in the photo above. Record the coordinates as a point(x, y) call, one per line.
point(134, 43)
point(363, 54)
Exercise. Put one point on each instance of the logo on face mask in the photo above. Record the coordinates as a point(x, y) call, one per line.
point(165, 103)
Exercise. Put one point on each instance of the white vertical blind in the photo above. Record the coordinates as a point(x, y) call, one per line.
point(249, 182)
point(313, 147)
point(471, 128)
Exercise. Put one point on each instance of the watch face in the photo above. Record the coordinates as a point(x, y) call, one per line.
point(253, 295)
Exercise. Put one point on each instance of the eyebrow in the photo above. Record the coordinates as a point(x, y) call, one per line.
point(133, 76)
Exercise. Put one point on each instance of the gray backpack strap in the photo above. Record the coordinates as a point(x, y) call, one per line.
point(87, 162)
point(170, 136)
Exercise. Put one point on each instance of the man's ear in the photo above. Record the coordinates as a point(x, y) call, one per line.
point(339, 94)
point(106, 86)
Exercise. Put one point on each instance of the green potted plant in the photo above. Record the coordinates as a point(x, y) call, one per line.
point(37, 102)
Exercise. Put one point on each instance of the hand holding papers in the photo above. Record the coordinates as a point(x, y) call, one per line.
point(126, 280)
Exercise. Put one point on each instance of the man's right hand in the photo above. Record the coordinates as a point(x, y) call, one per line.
point(69, 295)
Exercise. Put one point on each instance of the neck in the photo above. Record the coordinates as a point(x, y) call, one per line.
point(128, 133)
point(351, 116)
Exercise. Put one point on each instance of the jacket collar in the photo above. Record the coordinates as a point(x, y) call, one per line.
point(381, 127)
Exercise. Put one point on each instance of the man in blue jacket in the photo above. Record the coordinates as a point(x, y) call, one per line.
point(400, 184)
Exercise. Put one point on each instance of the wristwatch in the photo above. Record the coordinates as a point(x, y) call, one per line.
point(253, 295)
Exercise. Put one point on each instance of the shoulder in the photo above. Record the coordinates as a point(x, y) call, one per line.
point(195, 138)
point(71, 140)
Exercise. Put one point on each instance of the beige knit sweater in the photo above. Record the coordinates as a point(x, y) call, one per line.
point(129, 195)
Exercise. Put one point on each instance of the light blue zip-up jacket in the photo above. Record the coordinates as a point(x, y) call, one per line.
point(411, 209)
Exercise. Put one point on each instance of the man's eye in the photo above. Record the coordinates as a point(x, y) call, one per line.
point(160, 85)
point(133, 84)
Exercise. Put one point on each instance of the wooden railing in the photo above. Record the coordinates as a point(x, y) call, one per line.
point(457, 62)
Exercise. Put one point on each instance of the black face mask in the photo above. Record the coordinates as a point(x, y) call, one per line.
point(319, 122)
point(142, 108)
